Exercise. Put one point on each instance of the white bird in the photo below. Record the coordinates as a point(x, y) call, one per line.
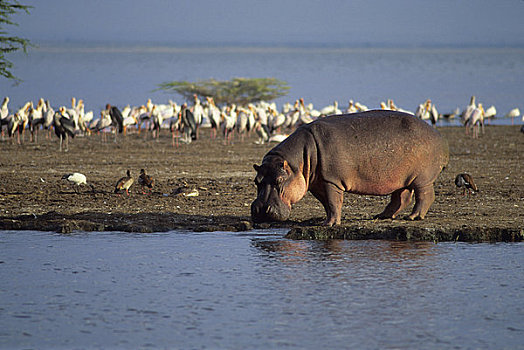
point(351, 107)
point(129, 121)
point(476, 119)
point(158, 119)
point(384, 106)
point(331, 109)
point(261, 111)
point(251, 118)
point(360, 107)
point(126, 111)
point(490, 112)
point(77, 179)
point(4, 110)
point(36, 118)
point(278, 138)
point(101, 123)
point(305, 116)
point(49, 115)
point(426, 111)
point(19, 121)
point(286, 107)
point(276, 120)
point(514, 113)
point(241, 123)
point(198, 113)
point(262, 131)
point(213, 114)
point(466, 114)
point(4, 115)
point(229, 119)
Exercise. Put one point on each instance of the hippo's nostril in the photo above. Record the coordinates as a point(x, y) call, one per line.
point(256, 208)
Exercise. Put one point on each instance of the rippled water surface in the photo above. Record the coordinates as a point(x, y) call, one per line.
point(256, 290)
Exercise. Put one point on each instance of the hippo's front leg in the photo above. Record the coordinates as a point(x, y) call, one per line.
point(331, 198)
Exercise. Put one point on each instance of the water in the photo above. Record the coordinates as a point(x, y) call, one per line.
point(256, 290)
point(128, 74)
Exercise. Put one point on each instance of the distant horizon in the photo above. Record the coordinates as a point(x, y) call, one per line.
point(79, 43)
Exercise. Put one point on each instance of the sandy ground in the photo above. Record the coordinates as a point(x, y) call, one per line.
point(33, 196)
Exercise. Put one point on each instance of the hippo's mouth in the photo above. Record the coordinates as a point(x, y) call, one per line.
point(261, 212)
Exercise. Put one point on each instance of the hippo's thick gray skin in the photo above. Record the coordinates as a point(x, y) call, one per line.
point(374, 153)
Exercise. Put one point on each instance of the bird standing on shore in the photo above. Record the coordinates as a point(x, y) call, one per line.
point(64, 127)
point(466, 181)
point(145, 180)
point(4, 115)
point(117, 121)
point(124, 183)
point(76, 179)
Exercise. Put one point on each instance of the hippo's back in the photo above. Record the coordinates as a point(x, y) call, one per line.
point(377, 131)
point(377, 146)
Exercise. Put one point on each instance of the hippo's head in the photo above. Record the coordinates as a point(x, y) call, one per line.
point(278, 187)
point(270, 181)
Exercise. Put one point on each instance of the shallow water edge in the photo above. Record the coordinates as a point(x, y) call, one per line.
point(397, 230)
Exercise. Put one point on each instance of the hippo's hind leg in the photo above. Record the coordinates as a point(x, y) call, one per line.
point(331, 198)
point(424, 197)
point(400, 199)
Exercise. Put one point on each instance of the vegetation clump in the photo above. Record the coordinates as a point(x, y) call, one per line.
point(240, 91)
point(9, 43)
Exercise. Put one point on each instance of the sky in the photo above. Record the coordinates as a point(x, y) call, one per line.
point(276, 22)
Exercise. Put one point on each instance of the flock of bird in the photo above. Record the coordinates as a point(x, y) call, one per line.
point(184, 121)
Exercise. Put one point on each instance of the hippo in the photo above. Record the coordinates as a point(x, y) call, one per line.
point(377, 152)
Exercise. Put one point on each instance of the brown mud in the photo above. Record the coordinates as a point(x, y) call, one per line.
point(215, 186)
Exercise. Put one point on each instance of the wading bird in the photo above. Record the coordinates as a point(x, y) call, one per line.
point(64, 127)
point(76, 179)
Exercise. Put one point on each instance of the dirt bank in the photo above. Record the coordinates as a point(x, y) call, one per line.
point(33, 196)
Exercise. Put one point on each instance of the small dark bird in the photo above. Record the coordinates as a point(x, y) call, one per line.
point(124, 183)
point(522, 129)
point(145, 180)
point(466, 181)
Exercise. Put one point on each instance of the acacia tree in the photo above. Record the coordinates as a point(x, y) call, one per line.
point(10, 43)
point(240, 91)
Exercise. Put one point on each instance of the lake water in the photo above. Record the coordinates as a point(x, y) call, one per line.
point(256, 290)
point(128, 74)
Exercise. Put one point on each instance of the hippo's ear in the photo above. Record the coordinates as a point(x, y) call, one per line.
point(285, 166)
point(256, 167)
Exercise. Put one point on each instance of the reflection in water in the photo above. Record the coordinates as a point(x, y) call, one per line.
point(256, 290)
point(343, 250)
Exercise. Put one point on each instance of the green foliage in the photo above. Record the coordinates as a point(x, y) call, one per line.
point(240, 91)
point(10, 43)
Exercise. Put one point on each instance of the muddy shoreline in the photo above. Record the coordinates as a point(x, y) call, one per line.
point(215, 188)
